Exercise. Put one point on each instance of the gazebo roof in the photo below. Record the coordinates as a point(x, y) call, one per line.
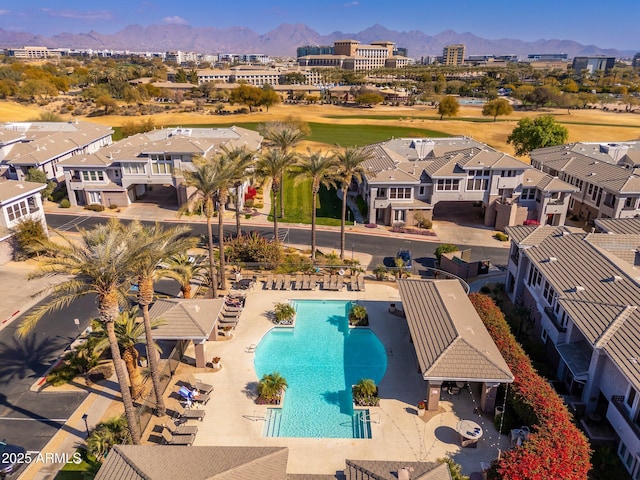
point(185, 319)
point(450, 340)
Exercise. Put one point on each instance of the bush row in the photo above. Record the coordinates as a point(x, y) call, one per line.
point(556, 448)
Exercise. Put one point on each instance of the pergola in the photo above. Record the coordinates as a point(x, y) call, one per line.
point(450, 340)
point(191, 319)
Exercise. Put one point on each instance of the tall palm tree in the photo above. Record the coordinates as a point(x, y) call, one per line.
point(99, 263)
point(183, 270)
point(239, 160)
point(129, 332)
point(349, 162)
point(284, 137)
point(231, 165)
point(321, 170)
point(154, 244)
point(272, 165)
point(206, 182)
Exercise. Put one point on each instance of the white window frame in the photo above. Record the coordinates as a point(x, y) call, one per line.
point(17, 210)
point(95, 198)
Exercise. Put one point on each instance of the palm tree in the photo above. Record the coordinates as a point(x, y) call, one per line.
point(107, 434)
point(206, 182)
point(100, 263)
point(183, 270)
point(350, 168)
point(321, 170)
point(231, 166)
point(284, 137)
point(129, 332)
point(271, 386)
point(240, 159)
point(272, 165)
point(154, 244)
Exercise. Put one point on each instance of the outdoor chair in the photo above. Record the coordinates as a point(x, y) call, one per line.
point(277, 285)
point(340, 283)
point(360, 278)
point(169, 439)
point(454, 390)
point(189, 414)
point(306, 282)
point(333, 282)
point(268, 284)
point(313, 282)
point(326, 280)
point(287, 282)
point(298, 282)
point(181, 429)
point(194, 395)
point(354, 284)
point(202, 387)
point(230, 309)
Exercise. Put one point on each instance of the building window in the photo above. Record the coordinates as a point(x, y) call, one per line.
point(399, 215)
point(528, 194)
point(631, 397)
point(548, 292)
point(589, 188)
point(629, 202)
point(95, 197)
point(92, 176)
point(571, 204)
point(422, 190)
point(17, 210)
point(133, 168)
point(399, 192)
point(382, 193)
point(477, 184)
point(508, 173)
point(544, 336)
point(448, 184)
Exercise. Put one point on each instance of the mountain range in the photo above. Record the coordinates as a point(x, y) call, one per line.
point(283, 41)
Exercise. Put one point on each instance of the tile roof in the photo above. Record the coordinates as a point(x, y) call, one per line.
point(388, 470)
point(618, 225)
point(11, 189)
point(154, 462)
point(449, 337)
point(191, 318)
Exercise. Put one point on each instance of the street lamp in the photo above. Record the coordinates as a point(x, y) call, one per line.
point(86, 425)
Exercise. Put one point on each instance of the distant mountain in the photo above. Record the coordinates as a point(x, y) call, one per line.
point(287, 37)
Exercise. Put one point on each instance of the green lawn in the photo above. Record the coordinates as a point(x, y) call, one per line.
point(345, 135)
point(404, 117)
point(297, 204)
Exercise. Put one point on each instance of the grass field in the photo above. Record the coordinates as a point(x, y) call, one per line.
point(297, 204)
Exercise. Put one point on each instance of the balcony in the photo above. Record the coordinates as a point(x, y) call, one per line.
point(515, 258)
point(554, 319)
point(618, 417)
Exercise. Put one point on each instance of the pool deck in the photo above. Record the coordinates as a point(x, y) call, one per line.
point(233, 419)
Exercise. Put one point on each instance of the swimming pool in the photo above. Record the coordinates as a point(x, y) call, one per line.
point(321, 357)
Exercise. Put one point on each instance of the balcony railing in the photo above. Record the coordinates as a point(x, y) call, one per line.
point(554, 319)
point(515, 258)
point(624, 413)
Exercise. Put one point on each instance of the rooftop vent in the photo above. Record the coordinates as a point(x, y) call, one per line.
point(615, 278)
point(551, 260)
point(578, 288)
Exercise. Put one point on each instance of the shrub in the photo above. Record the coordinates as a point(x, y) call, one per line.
point(294, 263)
point(283, 313)
point(249, 203)
point(270, 388)
point(555, 438)
point(65, 203)
point(95, 207)
point(501, 236)
point(248, 216)
point(62, 374)
point(258, 205)
point(380, 272)
point(26, 239)
point(254, 248)
point(113, 207)
point(365, 393)
point(105, 435)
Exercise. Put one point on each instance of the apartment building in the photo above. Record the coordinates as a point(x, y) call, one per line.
point(256, 76)
point(43, 145)
point(18, 201)
point(454, 54)
point(607, 176)
point(352, 55)
point(406, 178)
point(125, 171)
point(582, 292)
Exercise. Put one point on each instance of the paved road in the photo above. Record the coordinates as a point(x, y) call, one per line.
point(27, 418)
point(382, 248)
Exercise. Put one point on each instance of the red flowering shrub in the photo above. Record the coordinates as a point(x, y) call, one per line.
point(531, 222)
point(251, 193)
point(556, 449)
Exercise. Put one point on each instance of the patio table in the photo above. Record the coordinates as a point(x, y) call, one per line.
point(470, 432)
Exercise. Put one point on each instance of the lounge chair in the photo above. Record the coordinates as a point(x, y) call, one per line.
point(181, 429)
point(228, 322)
point(287, 282)
point(230, 309)
point(339, 283)
point(268, 284)
point(313, 282)
point(230, 314)
point(298, 282)
point(277, 285)
point(326, 280)
point(360, 283)
point(354, 283)
point(189, 396)
point(169, 439)
point(189, 414)
point(306, 282)
point(333, 282)
point(202, 387)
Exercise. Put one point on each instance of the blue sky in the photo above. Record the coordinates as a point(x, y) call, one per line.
point(612, 24)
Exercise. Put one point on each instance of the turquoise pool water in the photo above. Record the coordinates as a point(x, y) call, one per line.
point(321, 357)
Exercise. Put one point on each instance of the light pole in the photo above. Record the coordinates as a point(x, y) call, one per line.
point(86, 425)
point(352, 246)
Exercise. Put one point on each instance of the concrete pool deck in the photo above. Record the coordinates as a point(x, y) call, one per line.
point(398, 433)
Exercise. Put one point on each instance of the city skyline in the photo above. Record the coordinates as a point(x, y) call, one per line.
point(550, 20)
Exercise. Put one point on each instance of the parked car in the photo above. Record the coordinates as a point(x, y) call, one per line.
point(11, 457)
point(405, 256)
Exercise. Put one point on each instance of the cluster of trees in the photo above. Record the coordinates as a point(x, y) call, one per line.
point(254, 97)
point(556, 448)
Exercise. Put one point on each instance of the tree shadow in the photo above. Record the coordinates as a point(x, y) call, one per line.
point(250, 390)
point(29, 357)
